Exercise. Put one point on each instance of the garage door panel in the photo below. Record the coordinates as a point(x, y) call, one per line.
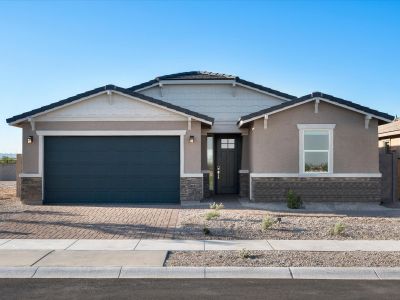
point(103, 184)
point(112, 169)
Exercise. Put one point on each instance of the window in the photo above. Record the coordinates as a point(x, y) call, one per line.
point(316, 147)
point(227, 143)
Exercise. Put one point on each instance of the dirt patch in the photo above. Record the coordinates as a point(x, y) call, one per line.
point(246, 224)
point(283, 259)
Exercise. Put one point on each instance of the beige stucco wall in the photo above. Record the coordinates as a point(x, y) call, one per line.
point(192, 151)
point(30, 152)
point(276, 149)
point(245, 153)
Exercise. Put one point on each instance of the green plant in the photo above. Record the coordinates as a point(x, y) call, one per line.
point(293, 201)
point(244, 253)
point(206, 231)
point(7, 160)
point(216, 206)
point(338, 229)
point(267, 223)
point(323, 167)
point(212, 215)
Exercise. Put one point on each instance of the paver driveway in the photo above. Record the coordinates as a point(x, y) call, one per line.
point(83, 222)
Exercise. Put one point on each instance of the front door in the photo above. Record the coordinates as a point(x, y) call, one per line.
point(226, 164)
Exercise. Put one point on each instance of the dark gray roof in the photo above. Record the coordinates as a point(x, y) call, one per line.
point(340, 101)
point(204, 75)
point(106, 88)
point(197, 75)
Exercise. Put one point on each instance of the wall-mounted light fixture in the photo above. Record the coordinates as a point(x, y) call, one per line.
point(191, 139)
point(29, 140)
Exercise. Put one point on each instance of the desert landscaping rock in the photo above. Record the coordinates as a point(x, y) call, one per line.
point(246, 224)
point(283, 259)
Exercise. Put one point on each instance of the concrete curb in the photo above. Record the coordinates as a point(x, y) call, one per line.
point(203, 272)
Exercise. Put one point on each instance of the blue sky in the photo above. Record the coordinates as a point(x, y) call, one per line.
point(50, 51)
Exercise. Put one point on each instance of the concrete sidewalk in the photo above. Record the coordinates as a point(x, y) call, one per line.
point(201, 245)
point(79, 258)
point(202, 272)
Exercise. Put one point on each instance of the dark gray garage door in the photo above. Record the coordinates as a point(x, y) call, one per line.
point(114, 169)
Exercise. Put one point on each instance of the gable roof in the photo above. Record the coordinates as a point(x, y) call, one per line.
point(70, 100)
point(204, 75)
point(313, 96)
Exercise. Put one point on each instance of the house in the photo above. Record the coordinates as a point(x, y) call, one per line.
point(389, 145)
point(185, 136)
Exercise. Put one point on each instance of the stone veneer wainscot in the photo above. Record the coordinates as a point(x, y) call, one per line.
point(31, 190)
point(359, 189)
point(191, 188)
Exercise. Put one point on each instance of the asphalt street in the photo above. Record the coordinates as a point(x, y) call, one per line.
point(197, 289)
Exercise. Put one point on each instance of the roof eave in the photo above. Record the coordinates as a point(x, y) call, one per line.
point(305, 99)
point(37, 112)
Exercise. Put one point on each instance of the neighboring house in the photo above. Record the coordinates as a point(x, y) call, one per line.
point(185, 136)
point(389, 145)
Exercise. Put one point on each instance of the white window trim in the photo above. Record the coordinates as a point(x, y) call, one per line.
point(302, 128)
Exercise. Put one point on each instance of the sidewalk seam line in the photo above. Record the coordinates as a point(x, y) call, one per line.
point(33, 275)
point(376, 274)
point(270, 244)
point(119, 274)
point(291, 274)
point(72, 244)
point(42, 258)
point(137, 244)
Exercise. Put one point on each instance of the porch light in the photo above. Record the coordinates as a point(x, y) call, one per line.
point(191, 139)
point(29, 140)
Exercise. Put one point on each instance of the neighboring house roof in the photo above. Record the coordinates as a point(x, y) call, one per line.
point(52, 106)
point(316, 95)
point(391, 129)
point(204, 75)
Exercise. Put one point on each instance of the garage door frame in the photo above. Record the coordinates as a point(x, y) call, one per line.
point(180, 133)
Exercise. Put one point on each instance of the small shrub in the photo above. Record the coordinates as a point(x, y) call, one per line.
point(338, 229)
point(267, 223)
point(206, 231)
point(244, 254)
point(294, 201)
point(212, 215)
point(216, 206)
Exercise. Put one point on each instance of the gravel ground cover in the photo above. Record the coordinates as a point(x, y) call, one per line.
point(246, 224)
point(8, 200)
point(282, 259)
